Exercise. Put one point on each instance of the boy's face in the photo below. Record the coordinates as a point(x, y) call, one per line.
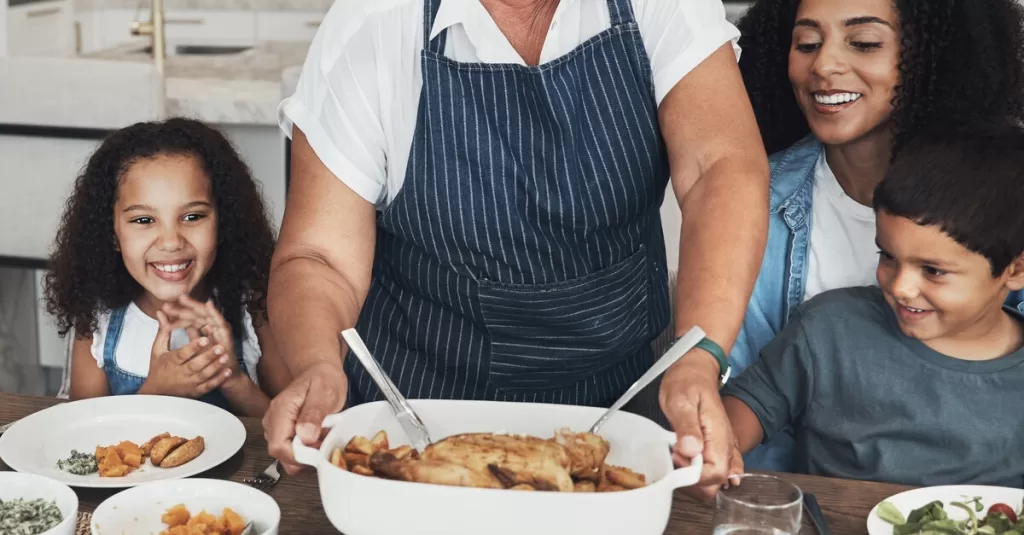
point(942, 293)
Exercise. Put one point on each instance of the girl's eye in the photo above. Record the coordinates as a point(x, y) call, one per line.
point(194, 217)
point(807, 47)
point(142, 220)
point(861, 45)
point(884, 256)
point(933, 271)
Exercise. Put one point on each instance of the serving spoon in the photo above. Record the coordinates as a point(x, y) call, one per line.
point(681, 347)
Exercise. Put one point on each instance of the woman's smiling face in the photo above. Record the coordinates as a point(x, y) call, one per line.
point(844, 66)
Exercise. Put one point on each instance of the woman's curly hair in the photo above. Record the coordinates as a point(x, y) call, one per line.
point(87, 273)
point(959, 59)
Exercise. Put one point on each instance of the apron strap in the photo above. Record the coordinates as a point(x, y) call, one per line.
point(436, 45)
point(621, 12)
point(114, 326)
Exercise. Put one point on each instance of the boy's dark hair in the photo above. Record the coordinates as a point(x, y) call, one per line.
point(959, 59)
point(968, 181)
point(88, 275)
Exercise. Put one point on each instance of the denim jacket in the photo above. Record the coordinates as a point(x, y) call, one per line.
point(779, 289)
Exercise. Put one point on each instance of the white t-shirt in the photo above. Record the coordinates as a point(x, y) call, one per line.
point(138, 333)
point(842, 251)
point(358, 95)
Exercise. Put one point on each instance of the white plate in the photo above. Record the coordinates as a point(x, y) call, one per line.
point(912, 499)
point(31, 487)
point(138, 511)
point(38, 441)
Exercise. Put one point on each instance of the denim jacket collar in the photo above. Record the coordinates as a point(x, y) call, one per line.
point(792, 176)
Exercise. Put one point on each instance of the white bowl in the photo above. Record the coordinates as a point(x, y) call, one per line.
point(359, 505)
point(31, 487)
point(138, 509)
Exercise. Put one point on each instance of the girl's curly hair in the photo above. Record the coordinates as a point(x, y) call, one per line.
point(87, 273)
point(959, 59)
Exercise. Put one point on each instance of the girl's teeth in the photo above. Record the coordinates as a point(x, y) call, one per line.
point(914, 309)
point(837, 98)
point(170, 268)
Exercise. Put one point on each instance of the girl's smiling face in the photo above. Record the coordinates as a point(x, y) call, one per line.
point(844, 66)
point(165, 223)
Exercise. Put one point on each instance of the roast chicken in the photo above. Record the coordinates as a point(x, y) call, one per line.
point(485, 460)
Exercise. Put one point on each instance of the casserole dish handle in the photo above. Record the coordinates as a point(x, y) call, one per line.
point(311, 456)
point(682, 477)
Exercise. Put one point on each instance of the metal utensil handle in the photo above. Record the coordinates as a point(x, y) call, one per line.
point(682, 346)
point(390, 391)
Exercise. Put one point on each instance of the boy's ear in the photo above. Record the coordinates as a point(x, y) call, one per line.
point(1015, 274)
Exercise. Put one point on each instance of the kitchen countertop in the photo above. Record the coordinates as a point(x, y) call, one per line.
point(209, 5)
point(243, 88)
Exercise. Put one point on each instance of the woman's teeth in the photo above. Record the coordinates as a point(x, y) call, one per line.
point(835, 98)
point(171, 268)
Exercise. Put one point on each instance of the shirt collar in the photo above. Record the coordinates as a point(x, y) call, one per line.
point(452, 12)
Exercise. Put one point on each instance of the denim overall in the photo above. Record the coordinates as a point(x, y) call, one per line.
point(123, 383)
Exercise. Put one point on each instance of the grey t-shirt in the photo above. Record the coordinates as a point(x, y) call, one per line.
point(868, 402)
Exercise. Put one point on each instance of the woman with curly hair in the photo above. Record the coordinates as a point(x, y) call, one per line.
point(838, 87)
point(160, 268)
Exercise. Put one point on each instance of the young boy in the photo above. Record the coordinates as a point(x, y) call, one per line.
point(919, 381)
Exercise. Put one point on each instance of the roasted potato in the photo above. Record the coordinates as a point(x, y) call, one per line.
point(164, 446)
point(184, 453)
point(148, 445)
point(379, 442)
point(624, 477)
point(359, 445)
point(338, 459)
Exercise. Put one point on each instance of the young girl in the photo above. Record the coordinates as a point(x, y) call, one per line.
point(161, 266)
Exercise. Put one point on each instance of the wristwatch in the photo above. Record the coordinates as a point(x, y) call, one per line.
point(724, 369)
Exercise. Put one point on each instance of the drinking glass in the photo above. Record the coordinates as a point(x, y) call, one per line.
point(759, 505)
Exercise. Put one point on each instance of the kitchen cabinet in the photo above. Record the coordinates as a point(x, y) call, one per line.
point(107, 28)
point(287, 25)
point(45, 28)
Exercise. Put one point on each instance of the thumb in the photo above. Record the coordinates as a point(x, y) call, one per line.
point(162, 344)
point(315, 407)
point(684, 416)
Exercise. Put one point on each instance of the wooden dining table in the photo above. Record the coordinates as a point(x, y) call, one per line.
point(845, 504)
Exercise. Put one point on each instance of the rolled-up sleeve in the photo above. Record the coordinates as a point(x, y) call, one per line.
point(336, 103)
point(680, 34)
point(777, 387)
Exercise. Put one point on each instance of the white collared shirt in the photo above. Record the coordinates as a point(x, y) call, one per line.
point(358, 94)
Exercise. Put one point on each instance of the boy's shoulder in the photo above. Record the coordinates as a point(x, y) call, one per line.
point(850, 308)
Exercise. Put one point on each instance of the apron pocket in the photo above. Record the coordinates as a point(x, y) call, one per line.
point(553, 335)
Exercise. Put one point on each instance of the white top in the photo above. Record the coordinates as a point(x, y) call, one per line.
point(358, 95)
point(139, 332)
point(842, 251)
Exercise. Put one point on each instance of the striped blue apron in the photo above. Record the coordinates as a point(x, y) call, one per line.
point(523, 258)
point(124, 383)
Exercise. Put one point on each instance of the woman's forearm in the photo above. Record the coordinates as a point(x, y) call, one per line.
point(722, 240)
point(309, 305)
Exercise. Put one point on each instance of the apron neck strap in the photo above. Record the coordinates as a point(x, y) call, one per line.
point(619, 11)
point(436, 45)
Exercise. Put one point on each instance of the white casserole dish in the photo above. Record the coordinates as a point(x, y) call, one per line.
point(360, 505)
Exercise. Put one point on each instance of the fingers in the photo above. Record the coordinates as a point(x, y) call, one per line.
point(162, 344)
point(215, 379)
point(279, 425)
point(209, 356)
point(190, 350)
point(718, 441)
